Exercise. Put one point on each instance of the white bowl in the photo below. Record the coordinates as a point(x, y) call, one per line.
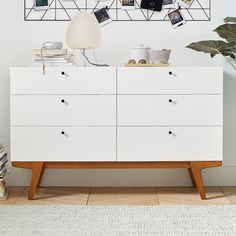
point(159, 56)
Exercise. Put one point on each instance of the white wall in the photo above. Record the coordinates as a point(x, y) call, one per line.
point(18, 38)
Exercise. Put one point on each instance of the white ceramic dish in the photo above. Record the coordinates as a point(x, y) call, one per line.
point(139, 53)
point(159, 56)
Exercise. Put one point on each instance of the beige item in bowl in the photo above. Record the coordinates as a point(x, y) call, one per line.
point(131, 61)
point(142, 61)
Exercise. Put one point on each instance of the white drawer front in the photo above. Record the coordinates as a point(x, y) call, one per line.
point(76, 80)
point(77, 144)
point(156, 144)
point(183, 80)
point(161, 110)
point(63, 110)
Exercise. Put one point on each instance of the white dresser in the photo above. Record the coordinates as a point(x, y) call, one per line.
point(93, 117)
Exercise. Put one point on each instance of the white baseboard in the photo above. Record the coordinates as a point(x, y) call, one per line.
point(223, 176)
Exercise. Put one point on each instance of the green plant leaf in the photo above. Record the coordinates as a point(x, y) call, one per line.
point(230, 20)
point(212, 47)
point(227, 31)
point(234, 50)
point(229, 53)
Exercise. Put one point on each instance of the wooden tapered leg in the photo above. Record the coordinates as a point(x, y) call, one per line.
point(192, 177)
point(37, 172)
point(196, 170)
point(41, 175)
point(193, 167)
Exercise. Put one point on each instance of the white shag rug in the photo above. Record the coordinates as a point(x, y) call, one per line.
point(117, 220)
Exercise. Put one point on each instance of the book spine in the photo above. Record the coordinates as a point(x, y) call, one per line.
point(50, 52)
point(3, 156)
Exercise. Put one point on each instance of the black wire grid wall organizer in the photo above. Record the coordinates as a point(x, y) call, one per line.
point(65, 10)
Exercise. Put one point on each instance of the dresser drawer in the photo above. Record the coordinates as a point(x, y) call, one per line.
point(68, 80)
point(49, 144)
point(161, 110)
point(172, 80)
point(156, 144)
point(63, 110)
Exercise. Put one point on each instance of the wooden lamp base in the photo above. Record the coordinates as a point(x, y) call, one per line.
point(194, 168)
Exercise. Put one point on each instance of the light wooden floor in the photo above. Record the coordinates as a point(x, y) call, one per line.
point(122, 196)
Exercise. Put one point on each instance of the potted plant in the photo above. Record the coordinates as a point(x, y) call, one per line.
point(226, 47)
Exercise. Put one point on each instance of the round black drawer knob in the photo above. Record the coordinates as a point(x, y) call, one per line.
point(170, 100)
point(170, 132)
point(170, 73)
point(62, 132)
point(63, 73)
point(62, 101)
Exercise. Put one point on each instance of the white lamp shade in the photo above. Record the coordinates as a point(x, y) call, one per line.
point(83, 32)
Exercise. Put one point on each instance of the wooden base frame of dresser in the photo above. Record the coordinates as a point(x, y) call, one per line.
point(194, 168)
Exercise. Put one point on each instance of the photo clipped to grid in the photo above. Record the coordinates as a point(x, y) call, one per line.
point(119, 10)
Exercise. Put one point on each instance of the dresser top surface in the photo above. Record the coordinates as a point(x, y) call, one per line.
point(115, 67)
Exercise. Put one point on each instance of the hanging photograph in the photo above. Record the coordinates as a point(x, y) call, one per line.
point(41, 5)
point(154, 5)
point(176, 18)
point(185, 3)
point(119, 10)
point(128, 4)
point(103, 16)
point(168, 4)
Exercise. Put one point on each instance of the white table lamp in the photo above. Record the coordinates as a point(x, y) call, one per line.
point(83, 32)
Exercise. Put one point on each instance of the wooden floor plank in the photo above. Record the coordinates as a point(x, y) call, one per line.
point(230, 194)
point(190, 196)
point(56, 195)
point(14, 194)
point(123, 196)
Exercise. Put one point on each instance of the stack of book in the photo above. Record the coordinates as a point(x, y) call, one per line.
point(52, 57)
point(3, 171)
